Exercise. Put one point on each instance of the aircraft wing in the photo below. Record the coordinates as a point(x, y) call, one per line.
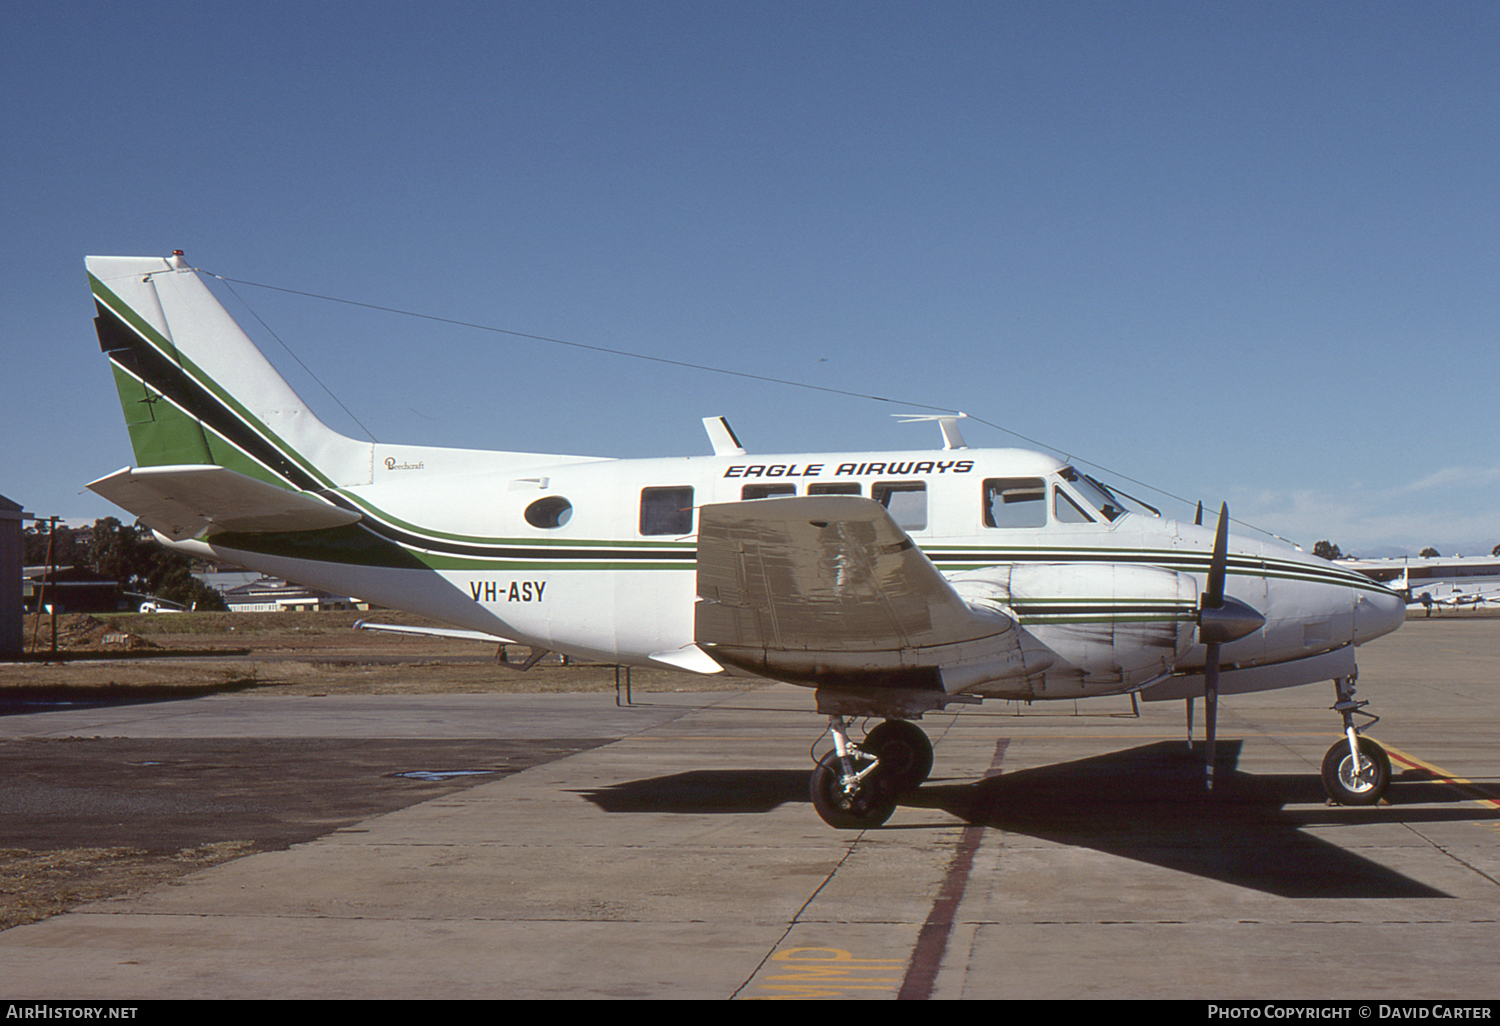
point(830, 590)
point(191, 500)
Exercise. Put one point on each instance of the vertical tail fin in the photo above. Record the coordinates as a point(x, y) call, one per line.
point(196, 390)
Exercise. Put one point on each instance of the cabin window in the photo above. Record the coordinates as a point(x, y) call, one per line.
point(767, 491)
point(1066, 511)
point(551, 511)
point(906, 501)
point(667, 510)
point(1015, 502)
point(834, 488)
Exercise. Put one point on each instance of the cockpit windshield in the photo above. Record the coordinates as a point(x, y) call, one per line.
point(1099, 496)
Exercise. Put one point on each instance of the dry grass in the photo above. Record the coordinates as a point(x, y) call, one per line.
point(297, 653)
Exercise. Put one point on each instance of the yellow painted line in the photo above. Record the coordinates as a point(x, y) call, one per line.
point(827, 973)
point(1465, 787)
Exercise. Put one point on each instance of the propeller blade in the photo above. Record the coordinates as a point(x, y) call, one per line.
point(1198, 517)
point(1213, 592)
point(1220, 620)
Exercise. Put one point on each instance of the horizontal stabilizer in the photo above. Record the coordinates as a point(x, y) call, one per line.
point(191, 501)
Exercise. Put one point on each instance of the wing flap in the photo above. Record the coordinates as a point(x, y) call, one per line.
point(193, 500)
point(819, 588)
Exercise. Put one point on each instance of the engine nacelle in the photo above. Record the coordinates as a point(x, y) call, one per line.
point(1110, 627)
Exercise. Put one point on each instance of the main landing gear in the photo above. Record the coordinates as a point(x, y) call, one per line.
point(1356, 771)
point(856, 785)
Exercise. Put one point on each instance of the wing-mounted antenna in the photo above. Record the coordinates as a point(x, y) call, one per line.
point(721, 435)
point(947, 422)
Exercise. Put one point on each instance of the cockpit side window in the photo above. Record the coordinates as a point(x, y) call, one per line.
point(1015, 502)
point(1066, 511)
point(1094, 493)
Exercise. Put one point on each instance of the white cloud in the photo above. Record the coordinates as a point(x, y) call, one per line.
point(1440, 509)
point(1466, 477)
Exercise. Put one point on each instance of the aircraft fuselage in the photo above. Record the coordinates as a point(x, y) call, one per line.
point(597, 558)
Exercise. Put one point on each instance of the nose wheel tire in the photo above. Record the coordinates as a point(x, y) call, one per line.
point(904, 752)
point(848, 804)
point(1348, 787)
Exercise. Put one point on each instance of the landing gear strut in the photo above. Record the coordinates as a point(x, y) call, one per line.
point(855, 786)
point(1356, 771)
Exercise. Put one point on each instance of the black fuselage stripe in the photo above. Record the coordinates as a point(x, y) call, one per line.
point(500, 550)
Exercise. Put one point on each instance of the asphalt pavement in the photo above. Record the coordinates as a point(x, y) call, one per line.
point(566, 848)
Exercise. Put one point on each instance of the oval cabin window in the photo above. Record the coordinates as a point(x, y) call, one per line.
point(552, 511)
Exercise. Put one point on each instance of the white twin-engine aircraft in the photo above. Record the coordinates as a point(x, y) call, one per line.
point(891, 583)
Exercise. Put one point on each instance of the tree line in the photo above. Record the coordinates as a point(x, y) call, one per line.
point(1328, 550)
point(130, 556)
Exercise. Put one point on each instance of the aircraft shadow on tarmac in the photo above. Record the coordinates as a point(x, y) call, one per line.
point(700, 792)
point(1145, 803)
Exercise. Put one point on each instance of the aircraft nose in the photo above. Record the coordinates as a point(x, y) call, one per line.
point(1376, 613)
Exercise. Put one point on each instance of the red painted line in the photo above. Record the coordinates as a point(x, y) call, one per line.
point(932, 940)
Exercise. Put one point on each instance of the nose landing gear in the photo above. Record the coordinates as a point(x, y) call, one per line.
point(1356, 771)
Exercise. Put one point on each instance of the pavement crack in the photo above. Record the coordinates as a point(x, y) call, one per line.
point(797, 917)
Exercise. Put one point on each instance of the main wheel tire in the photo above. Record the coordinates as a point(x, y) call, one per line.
point(869, 805)
point(904, 752)
point(1365, 788)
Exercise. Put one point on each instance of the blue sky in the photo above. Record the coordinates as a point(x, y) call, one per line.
point(1237, 251)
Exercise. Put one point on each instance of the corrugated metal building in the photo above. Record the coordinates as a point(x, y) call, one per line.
point(272, 594)
point(75, 590)
point(11, 614)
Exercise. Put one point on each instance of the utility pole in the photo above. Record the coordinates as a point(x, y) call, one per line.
point(51, 587)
